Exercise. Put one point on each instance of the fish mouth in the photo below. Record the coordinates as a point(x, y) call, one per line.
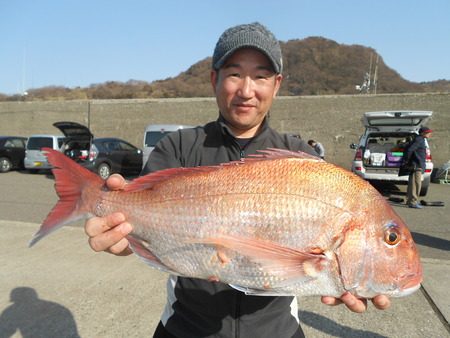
point(412, 279)
point(411, 282)
point(408, 290)
point(407, 285)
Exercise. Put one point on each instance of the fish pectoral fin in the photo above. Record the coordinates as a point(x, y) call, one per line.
point(289, 264)
point(140, 248)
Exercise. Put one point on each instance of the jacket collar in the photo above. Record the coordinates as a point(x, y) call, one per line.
point(227, 131)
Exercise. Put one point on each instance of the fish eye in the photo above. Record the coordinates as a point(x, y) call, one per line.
point(391, 236)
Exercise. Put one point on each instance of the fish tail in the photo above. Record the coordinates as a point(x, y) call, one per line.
point(70, 181)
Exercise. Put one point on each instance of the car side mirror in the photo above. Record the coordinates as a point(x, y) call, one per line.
point(353, 146)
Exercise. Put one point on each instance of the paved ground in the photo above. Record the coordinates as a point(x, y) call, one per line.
point(60, 288)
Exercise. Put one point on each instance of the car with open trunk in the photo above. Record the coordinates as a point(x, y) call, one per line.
point(104, 156)
point(379, 151)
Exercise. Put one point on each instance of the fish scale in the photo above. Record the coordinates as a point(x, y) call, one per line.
point(280, 223)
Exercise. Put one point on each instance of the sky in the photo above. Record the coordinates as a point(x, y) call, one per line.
point(77, 43)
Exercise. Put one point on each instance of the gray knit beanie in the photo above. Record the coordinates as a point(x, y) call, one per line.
point(252, 35)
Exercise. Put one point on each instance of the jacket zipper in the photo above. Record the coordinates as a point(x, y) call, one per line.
point(237, 313)
point(242, 150)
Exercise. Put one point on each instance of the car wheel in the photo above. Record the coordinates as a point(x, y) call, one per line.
point(5, 164)
point(425, 185)
point(104, 170)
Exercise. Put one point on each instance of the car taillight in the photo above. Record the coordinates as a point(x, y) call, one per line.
point(358, 155)
point(93, 152)
point(428, 155)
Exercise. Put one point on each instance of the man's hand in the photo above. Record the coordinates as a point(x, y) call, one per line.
point(358, 305)
point(108, 233)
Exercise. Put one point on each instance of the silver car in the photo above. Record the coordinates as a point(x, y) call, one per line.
point(34, 157)
point(154, 132)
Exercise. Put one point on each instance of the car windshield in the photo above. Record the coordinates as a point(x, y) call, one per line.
point(14, 143)
point(153, 137)
point(37, 143)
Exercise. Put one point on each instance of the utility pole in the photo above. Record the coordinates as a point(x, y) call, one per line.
point(375, 76)
point(370, 82)
point(23, 92)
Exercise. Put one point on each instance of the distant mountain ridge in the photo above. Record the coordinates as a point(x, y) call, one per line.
point(312, 66)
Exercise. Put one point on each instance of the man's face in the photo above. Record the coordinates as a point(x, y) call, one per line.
point(245, 87)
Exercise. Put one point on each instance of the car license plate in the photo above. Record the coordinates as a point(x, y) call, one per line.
point(38, 164)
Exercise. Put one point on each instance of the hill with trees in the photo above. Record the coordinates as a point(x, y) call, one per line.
point(312, 66)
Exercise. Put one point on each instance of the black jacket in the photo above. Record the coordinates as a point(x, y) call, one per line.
point(416, 153)
point(198, 308)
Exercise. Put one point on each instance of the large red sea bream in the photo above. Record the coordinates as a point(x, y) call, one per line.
point(280, 223)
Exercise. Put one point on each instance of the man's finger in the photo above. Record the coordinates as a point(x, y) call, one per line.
point(381, 302)
point(108, 239)
point(98, 225)
point(358, 305)
point(116, 182)
point(332, 301)
point(121, 248)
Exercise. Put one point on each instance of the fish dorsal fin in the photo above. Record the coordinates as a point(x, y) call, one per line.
point(271, 154)
point(149, 180)
point(274, 153)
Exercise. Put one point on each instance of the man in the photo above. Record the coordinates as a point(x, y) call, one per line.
point(245, 76)
point(415, 156)
point(318, 147)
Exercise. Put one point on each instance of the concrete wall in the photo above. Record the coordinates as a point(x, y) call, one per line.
point(333, 120)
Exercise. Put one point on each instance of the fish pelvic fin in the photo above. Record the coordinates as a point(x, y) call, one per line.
point(70, 181)
point(260, 292)
point(141, 248)
point(290, 265)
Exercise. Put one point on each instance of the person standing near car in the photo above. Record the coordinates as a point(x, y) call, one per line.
point(415, 157)
point(318, 147)
point(245, 76)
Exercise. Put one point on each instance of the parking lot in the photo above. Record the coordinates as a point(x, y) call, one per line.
point(109, 296)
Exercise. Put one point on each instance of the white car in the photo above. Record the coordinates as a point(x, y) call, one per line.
point(380, 148)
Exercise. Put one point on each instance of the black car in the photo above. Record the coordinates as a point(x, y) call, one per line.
point(113, 155)
point(12, 152)
point(101, 155)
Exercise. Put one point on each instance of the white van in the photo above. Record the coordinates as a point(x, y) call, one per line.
point(155, 132)
point(34, 157)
